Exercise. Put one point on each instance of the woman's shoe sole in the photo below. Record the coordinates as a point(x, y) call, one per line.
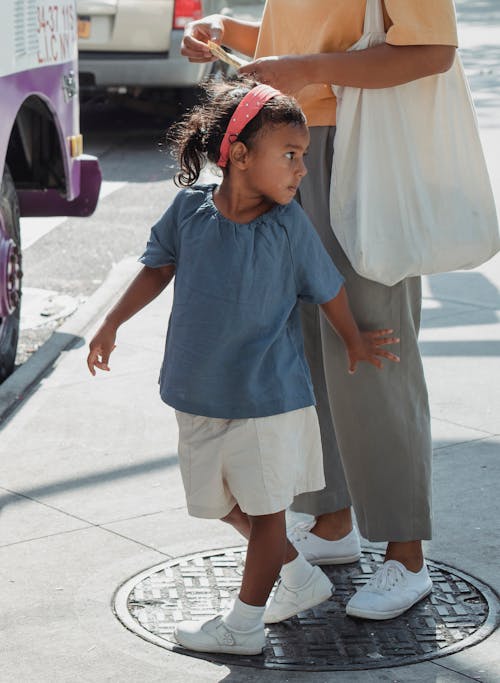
point(336, 560)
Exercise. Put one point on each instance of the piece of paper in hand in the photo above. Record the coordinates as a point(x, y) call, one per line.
point(224, 56)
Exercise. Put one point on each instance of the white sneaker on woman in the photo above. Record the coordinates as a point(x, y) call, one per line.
point(392, 590)
point(320, 551)
point(216, 636)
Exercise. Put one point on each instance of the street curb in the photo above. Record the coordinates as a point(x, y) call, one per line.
point(19, 385)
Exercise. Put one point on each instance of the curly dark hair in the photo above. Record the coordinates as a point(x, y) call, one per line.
point(197, 137)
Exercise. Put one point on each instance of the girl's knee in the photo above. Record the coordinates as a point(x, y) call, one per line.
point(235, 516)
point(275, 519)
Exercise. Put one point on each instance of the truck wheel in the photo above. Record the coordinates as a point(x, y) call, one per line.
point(10, 274)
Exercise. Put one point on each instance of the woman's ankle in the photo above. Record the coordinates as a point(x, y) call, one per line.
point(408, 553)
point(333, 526)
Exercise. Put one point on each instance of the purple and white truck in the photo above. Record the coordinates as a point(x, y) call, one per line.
point(43, 170)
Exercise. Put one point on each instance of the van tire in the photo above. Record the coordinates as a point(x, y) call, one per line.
point(10, 243)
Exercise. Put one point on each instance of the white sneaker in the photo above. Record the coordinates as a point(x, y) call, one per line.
point(391, 591)
point(286, 602)
point(215, 636)
point(320, 551)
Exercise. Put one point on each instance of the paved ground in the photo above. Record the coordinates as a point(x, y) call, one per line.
point(90, 492)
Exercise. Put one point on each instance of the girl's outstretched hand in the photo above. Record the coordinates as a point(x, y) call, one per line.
point(368, 348)
point(101, 347)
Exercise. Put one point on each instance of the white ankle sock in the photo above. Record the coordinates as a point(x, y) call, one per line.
point(243, 617)
point(296, 572)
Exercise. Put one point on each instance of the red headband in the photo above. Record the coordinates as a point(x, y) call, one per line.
point(247, 109)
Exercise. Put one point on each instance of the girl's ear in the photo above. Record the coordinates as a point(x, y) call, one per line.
point(238, 155)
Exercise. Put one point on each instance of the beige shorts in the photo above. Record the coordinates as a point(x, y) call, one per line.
point(258, 463)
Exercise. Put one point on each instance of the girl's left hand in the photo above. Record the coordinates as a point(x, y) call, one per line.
point(368, 349)
point(284, 73)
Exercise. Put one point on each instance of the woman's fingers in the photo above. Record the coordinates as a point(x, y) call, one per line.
point(194, 42)
point(196, 50)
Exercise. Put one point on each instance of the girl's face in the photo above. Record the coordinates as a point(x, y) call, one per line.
point(276, 162)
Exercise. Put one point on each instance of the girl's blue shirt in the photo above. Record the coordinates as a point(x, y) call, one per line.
point(234, 345)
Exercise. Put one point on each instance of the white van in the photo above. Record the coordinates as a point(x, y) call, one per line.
point(135, 44)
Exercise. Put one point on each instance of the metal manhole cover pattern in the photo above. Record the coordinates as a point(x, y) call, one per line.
point(460, 612)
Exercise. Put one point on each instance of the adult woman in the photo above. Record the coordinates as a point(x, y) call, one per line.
point(300, 48)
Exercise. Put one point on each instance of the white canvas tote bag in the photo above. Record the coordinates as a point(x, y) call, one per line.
point(410, 191)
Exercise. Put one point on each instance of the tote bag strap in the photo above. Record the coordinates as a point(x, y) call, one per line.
point(374, 17)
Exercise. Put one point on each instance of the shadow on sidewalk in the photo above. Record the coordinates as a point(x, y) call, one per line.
point(91, 480)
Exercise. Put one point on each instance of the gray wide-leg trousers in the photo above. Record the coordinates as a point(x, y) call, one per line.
point(375, 424)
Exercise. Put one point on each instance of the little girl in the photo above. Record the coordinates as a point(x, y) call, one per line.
point(244, 254)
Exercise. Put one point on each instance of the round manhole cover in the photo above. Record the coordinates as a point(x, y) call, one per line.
point(461, 611)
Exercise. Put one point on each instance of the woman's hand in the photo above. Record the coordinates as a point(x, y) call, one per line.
point(367, 348)
point(286, 73)
point(101, 347)
point(197, 33)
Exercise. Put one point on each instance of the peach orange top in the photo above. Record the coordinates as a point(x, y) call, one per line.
point(312, 26)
